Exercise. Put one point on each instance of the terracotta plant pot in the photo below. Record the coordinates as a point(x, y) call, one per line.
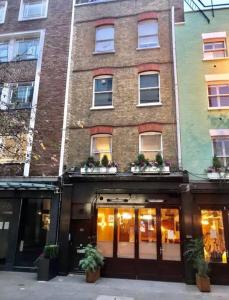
point(203, 283)
point(91, 277)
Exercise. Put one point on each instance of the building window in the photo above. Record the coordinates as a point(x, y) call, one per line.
point(104, 40)
point(149, 88)
point(215, 49)
point(26, 49)
point(218, 95)
point(3, 8)
point(33, 9)
point(13, 148)
point(19, 49)
point(221, 149)
point(148, 34)
point(150, 144)
point(4, 52)
point(102, 92)
point(16, 95)
point(101, 145)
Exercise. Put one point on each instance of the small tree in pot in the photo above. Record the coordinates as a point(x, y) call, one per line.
point(195, 254)
point(91, 263)
point(47, 263)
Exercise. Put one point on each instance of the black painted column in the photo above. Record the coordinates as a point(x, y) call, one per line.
point(187, 226)
point(54, 216)
point(64, 228)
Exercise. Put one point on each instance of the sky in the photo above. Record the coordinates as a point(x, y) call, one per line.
point(208, 2)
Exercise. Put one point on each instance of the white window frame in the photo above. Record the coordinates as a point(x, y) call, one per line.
point(215, 84)
point(5, 4)
point(224, 157)
point(21, 11)
point(97, 41)
point(221, 40)
point(153, 88)
point(150, 133)
point(139, 36)
point(93, 99)
point(13, 46)
point(97, 136)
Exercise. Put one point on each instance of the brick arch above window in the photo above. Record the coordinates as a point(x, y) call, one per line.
point(101, 129)
point(150, 127)
point(103, 71)
point(147, 16)
point(103, 22)
point(148, 67)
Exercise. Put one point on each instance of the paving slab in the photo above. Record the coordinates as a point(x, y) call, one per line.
point(24, 286)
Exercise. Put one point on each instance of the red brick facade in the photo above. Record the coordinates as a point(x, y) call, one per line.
point(51, 97)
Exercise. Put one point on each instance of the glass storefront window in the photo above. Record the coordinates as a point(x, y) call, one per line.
point(105, 231)
point(125, 227)
point(147, 233)
point(170, 234)
point(213, 236)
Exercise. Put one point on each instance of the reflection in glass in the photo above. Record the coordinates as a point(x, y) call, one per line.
point(213, 236)
point(170, 234)
point(125, 227)
point(147, 233)
point(105, 231)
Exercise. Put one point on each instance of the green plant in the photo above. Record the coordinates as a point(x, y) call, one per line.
point(105, 161)
point(195, 254)
point(216, 163)
point(159, 160)
point(51, 251)
point(92, 261)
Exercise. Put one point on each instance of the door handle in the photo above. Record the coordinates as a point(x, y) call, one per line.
point(161, 250)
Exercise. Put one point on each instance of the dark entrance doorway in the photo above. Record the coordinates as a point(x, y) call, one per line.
point(6, 215)
point(214, 228)
point(142, 243)
point(34, 225)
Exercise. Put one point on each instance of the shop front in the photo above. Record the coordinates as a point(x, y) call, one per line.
point(28, 220)
point(135, 223)
point(211, 204)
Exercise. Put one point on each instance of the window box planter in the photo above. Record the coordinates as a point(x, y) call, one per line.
point(150, 170)
point(217, 175)
point(98, 170)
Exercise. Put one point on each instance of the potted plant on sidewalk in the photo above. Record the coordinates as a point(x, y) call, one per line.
point(195, 254)
point(47, 263)
point(91, 263)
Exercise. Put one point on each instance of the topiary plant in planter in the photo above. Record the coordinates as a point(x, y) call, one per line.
point(195, 254)
point(47, 263)
point(91, 263)
point(105, 161)
point(159, 160)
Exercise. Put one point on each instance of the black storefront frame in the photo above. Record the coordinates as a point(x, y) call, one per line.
point(16, 197)
point(138, 265)
point(76, 188)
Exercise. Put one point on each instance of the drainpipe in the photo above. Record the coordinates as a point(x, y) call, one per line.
point(67, 92)
point(176, 89)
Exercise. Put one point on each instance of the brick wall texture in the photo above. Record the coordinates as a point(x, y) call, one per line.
point(125, 65)
point(50, 108)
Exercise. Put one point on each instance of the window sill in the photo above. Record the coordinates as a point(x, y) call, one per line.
point(218, 108)
point(216, 58)
point(151, 104)
point(104, 52)
point(18, 60)
point(102, 108)
point(148, 48)
point(31, 19)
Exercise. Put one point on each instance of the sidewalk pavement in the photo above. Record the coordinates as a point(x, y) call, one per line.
point(24, 286)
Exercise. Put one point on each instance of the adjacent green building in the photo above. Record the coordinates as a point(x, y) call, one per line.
point(203, 87)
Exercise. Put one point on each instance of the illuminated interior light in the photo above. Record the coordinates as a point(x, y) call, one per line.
point(147, 217)
point(126, 216)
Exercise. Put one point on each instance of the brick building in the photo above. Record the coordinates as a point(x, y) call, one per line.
point(34, 50)
point(121, 104)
